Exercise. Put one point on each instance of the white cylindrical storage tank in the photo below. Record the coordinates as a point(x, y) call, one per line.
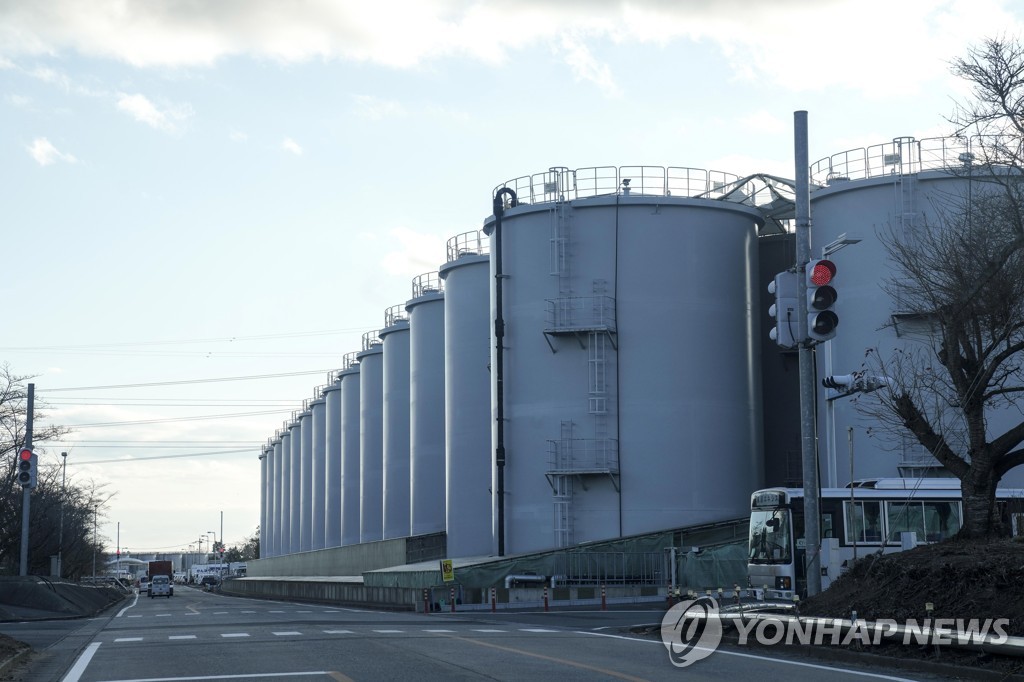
point(265, 494)
point(306, 494)
point(284, 542)
point(426, 405)
point(395, 342)
point(350, 478)
point(631, 359)
point(467, 397)
point(275, 521)
point(332, 468)
point(371, 439)
point(318, 428)
point(295, 444)
point(860, 196)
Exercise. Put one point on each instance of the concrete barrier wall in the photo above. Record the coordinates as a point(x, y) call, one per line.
point(335, 561)
point(324, 592)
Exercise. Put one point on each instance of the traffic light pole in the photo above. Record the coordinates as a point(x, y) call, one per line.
point(26, 491)
point(808, 451)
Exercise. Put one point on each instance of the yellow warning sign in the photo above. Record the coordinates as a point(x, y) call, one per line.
point(447, 572)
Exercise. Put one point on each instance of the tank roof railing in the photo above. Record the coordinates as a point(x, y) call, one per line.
point(901, 156)
point(349, 360)
point(395, 314)
point(427, 283)
point(475, 243)
point(371, 339)
point(562, 184)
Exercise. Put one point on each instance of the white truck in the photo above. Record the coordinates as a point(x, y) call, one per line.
point(161, 586)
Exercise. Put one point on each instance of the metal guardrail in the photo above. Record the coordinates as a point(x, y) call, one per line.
point(394, 315)
point(564, 184)
point(581, 313)
point(427, 283)
point(475, 243)
point(902, 156)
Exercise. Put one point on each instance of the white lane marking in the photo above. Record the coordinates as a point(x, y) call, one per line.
point(782, 661)
point(277, 612)
point(135, 616)
point(289, 633)
point(134, 602)
point(220, 613)
point(248, 676)
point(162, 615)
point(486, 630)
point(439, 630)
point(536, 630)
point(331, 611)
point(82, 663)
point(389, 632)
point(295, 612)
point(181, 637)
point(234, 634)
point(339, 632)
point(128, 639)
point(248, 612)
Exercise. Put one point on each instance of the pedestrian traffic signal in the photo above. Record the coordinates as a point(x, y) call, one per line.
point(27, 468)
point(784, 309)
point(822, 319)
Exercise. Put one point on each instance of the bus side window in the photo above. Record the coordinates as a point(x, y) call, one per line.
point(863, 521)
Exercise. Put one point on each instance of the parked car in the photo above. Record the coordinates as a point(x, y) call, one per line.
point(161, 586)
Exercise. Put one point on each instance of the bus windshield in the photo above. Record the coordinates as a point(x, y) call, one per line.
point(770, 537)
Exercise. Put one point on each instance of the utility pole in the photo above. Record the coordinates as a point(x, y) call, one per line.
point(60, 537)
point(26, 494)
point(808, 449)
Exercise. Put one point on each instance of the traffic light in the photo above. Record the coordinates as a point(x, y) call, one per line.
point(27, 468)
point(821, 298)
point(784, 309)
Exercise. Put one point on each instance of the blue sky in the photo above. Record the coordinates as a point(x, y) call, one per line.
point(197, 191)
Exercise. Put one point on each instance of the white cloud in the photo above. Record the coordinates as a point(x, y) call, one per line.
point(376, 109)
point(43, 151)
point(585, 67)
point(764, 122)
point(791, 44)
point(290, 145)
point(416, 254)
point(237, 136)
point(142, 109)
point(20, 101)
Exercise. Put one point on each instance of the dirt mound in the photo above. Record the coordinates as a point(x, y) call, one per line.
point(961, 578)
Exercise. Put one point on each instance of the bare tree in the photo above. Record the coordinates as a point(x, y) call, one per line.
point(80, 505)
point(961, 283)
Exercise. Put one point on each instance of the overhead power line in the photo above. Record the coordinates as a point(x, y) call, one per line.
point(178, 419)
point(182, 382)
point(140, 459)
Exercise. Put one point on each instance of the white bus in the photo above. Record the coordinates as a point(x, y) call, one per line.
point(869, 516)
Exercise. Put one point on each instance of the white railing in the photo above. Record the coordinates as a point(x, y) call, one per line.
point(427, 283)
point(475, 243)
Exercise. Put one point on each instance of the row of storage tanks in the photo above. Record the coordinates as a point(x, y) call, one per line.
point(633, 354)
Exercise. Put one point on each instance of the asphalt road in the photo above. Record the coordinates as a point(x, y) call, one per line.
point(198, 635)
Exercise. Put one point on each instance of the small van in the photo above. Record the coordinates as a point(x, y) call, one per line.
point(160, 586)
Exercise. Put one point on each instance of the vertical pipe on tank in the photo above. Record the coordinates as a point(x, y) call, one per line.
point(332, 467)
point(319, 436)
point(426, 411)
point(284, 542)
point(395, 378)
point(467, 396)
point(371, 439)
point(264, 494)
point(306, 482)
point(499, 368)
point(295, 512)
point(275, 520)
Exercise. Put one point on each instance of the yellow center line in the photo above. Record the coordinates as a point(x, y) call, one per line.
point(563, 661)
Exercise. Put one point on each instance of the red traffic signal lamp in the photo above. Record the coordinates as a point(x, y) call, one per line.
point(27, 468)
point(822, 319)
